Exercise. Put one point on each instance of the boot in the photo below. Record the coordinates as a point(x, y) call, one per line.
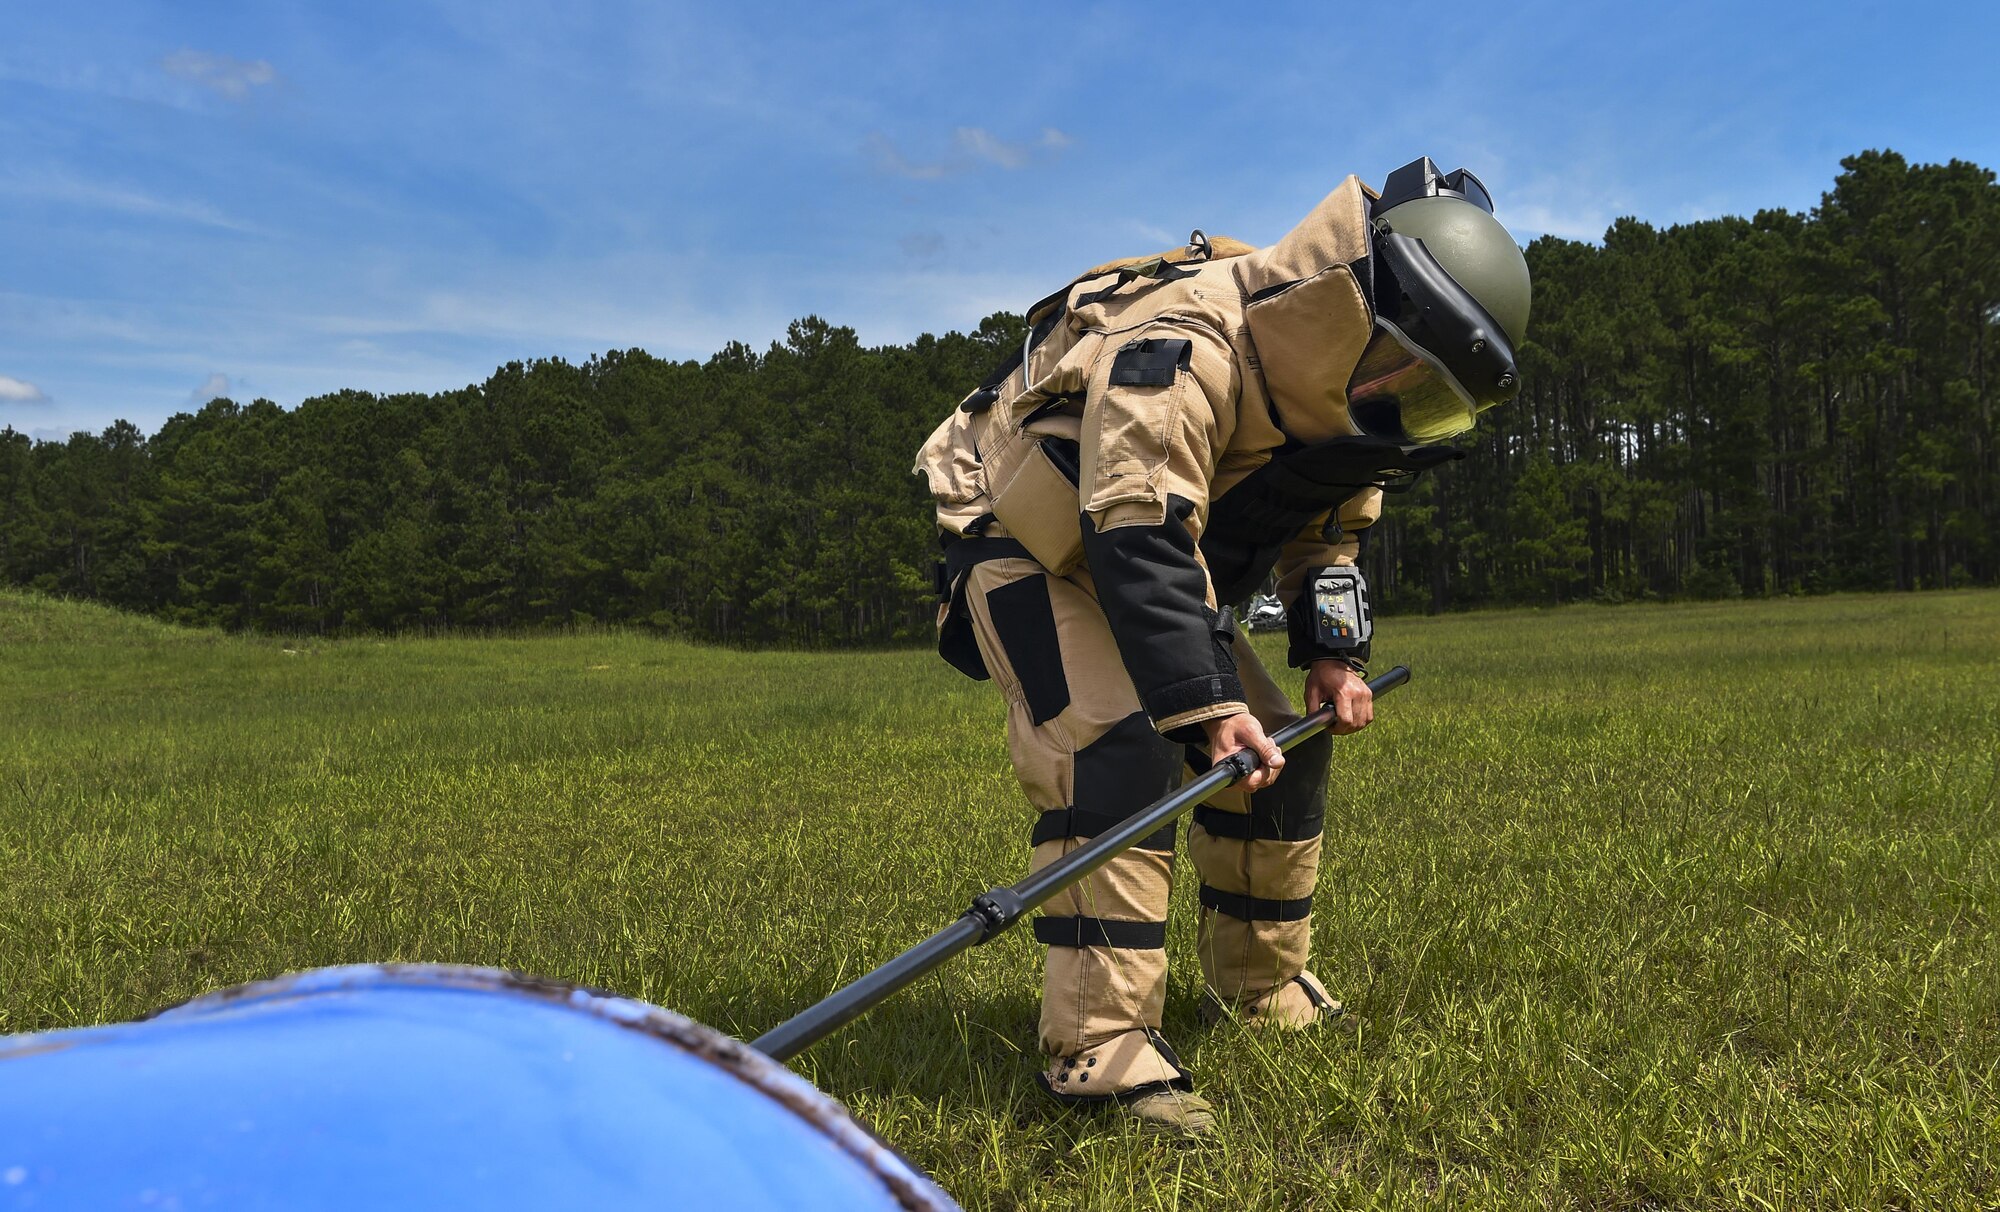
point(1297, 1004)
point(1180, 1114)
point(1137, 1074)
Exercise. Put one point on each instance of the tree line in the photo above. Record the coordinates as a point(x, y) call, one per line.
point(1790, 403)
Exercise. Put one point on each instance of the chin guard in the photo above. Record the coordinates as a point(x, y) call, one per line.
point(1331, 617)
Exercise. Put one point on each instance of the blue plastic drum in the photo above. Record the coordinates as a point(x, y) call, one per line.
point(420, 1086)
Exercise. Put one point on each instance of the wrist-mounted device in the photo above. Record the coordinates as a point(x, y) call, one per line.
point(1331, 616)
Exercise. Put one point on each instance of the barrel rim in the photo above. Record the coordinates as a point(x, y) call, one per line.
point(909, 1186)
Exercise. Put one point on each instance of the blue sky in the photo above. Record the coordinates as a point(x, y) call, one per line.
point(282, 200)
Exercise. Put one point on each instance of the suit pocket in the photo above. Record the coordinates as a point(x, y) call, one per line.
point(1039, 508)
point(1128, 430)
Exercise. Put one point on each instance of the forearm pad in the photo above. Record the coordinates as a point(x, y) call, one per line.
point(1155, 596)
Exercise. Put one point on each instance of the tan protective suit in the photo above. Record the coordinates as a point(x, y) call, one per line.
point(1075, 500)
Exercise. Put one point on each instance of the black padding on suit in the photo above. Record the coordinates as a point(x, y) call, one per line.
point(1078, 822)
point(1255, 908)
point(1293, 809)
point(1026, 625)
point(1155, 596)
point(1100, 932)
point(1153, 363)
point(961, 554)
point(1126, 769)
point(956, 643)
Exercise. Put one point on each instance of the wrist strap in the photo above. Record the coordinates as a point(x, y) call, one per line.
point(1353, 663)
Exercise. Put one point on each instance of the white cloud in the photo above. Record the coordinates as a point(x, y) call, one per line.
point(216, 385)
point(56, 187)
point(1154, 234)
point(972, 147)
point(228, 77)
point(891, 160)
point(1526, 222)
point(1578, 206)
point(982, 144)
point(20, 391)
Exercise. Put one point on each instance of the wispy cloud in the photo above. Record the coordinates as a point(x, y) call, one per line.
point(1535, 219)
point(56, 187)
point(981, 144)
point(221, 74)
point(1154, 233)
point(972, 147)
point(1574, 207)
point(20, 391)
point(891, 160)
point(213, 387)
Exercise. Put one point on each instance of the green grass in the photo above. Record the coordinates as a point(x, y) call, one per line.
point(1675, 906)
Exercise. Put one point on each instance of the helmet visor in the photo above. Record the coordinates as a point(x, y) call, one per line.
point(1432, 314)
point(1399, 393)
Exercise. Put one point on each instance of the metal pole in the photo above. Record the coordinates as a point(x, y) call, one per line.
point(994, 912)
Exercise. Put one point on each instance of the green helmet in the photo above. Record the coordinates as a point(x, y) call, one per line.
point(1451, 296)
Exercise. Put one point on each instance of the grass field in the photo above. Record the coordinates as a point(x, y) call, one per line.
point(1678, 906)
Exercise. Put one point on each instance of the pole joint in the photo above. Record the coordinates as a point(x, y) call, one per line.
point(996, 911)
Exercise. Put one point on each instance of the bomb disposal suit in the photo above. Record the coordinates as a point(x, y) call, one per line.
point(1173, 431)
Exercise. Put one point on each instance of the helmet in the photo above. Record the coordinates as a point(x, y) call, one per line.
point(1451, 296)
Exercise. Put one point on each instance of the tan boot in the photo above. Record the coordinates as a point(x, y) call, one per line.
point(1130, 1063)
point(1297, 1004)
point(1137, 1073)
point(1171, 1113)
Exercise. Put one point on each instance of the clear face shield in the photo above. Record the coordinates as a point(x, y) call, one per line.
point(1401, 393)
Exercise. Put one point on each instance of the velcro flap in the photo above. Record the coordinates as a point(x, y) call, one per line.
point(1150, 363)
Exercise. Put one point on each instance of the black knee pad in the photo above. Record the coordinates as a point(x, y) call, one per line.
point(1116, 776)
point(1293, 809)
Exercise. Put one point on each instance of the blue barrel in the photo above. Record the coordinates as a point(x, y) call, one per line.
point(425, 1086)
